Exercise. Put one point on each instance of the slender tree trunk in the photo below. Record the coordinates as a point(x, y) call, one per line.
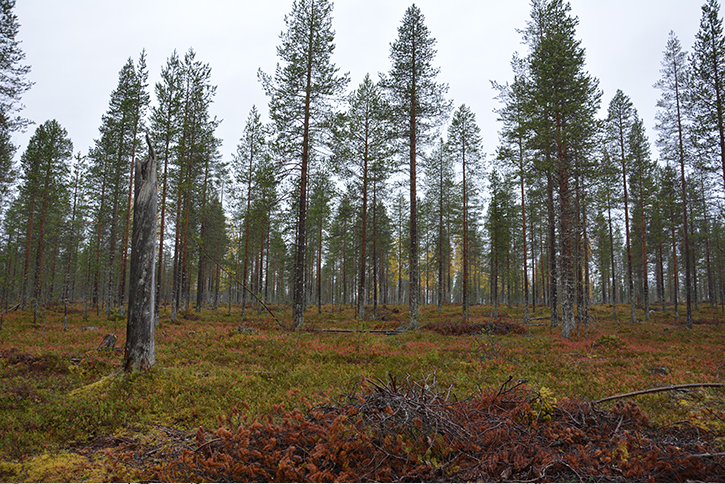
point(375, 251)
point(124, 258)
point(681, 149)
point(661, 276)
point(523, 232)
point(464, 279)
point(534, 285)
point(299, 283)
point(676, 275)
point(414, 290)
point(262, 234)
point(28, 247)
point(611, 255)
point(319, 262)
point(361, 292)
point(565, 238)
point(693, 254)
point(708, 260)
point(162, 231)
point(645, 270)
point(630, 277)
point(553, 296)
point(440, 241)
point(39, 254)
point(71, 251)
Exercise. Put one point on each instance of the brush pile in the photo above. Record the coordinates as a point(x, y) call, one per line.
point(415, 431)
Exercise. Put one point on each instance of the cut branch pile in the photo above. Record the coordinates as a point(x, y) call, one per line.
point(498, 326)
point(414, 431)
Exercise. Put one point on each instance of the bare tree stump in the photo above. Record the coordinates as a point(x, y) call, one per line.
point(108, 342)
point(140, 351)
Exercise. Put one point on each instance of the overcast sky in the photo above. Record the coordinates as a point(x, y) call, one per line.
point(77, 47)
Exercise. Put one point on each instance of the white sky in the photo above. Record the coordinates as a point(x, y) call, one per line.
point(77, 47)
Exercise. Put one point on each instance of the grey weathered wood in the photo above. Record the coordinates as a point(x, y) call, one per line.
point(108, 342)
point(140, 351)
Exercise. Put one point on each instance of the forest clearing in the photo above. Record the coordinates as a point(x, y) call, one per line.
point(333, 402)
point(370, 287)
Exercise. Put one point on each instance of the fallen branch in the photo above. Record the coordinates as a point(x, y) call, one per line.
point(717, 454)
point(12, 308)
point(387, 332)
point(657, 390)
point(231, 276)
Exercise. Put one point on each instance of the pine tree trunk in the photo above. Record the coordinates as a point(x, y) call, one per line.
point(124, 248)
point(440, 243)
point(568, 323)
point(301, 247)
point(553, 289)
point(361, 293)
point(681, 149)
point(630, 276)
point(645, 270)
point(611, 255)
point(39, 254)
point(523, 232)
point(708, 260)
point(413, 292)
point(28, 246)
point(162, 230)
point(375, 251)
point(464, 279)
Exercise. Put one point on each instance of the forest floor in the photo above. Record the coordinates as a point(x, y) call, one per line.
point(486, 401)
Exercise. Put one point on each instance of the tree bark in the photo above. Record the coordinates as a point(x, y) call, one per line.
point(140, 344)
point(361, 293)
point(298, 306)
point(413, 292)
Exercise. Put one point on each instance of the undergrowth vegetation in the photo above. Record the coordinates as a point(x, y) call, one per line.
point(330, 400)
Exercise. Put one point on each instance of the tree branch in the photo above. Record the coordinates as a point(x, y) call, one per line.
point(657, 390)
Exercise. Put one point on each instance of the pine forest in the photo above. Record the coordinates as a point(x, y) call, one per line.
point(365, 210)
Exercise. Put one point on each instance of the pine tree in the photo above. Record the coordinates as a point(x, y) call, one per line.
point(708, 84)
point(562, 100)
point(620, 119)
point(362, 155)
point(671, 124)
point(75, 231)
point(418, 105)
point(138, 103)
point(251, 151)
point(322, 193)
point(300, 95)
point(196, 162)
point(440, 187)
point(499, 224)
point(608, 190)
point(13, 82)
point(110, 159)
point(464, 144)
point(44, 172)
point(514, 150)
point(165, 129)
point(641, 185)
